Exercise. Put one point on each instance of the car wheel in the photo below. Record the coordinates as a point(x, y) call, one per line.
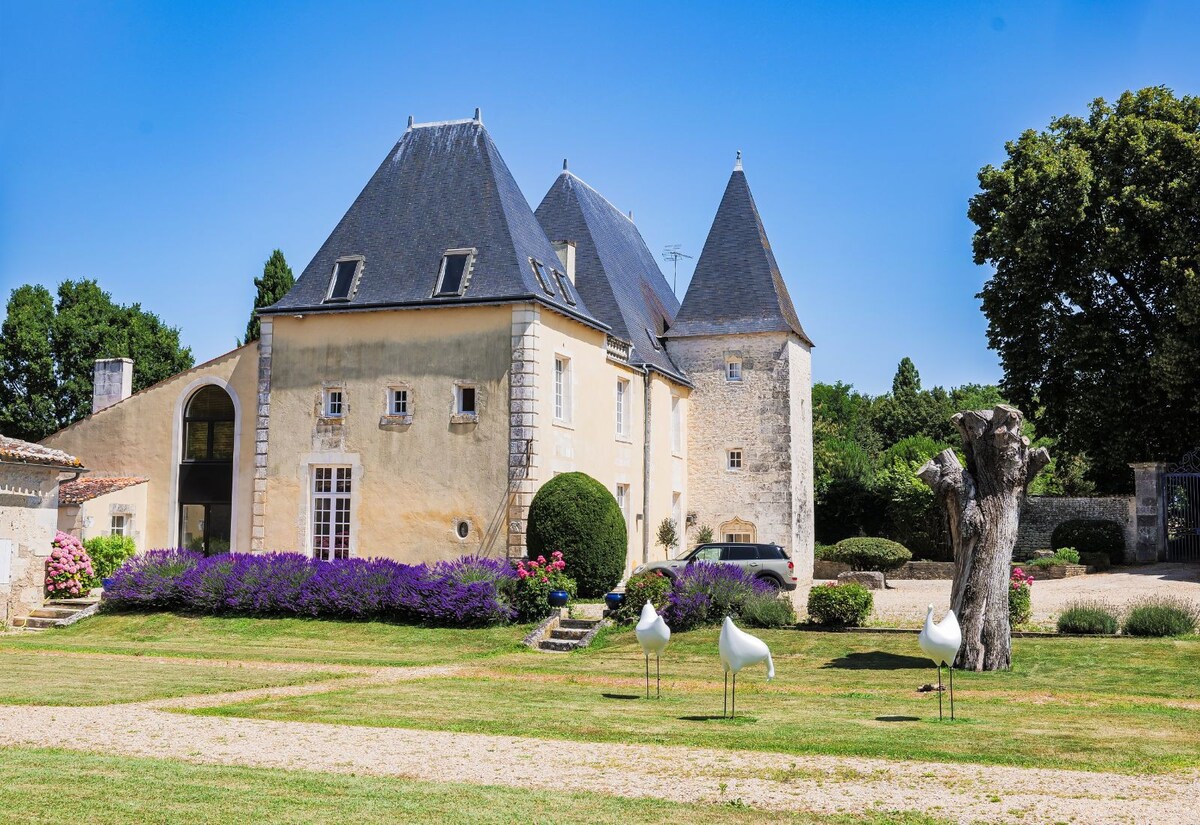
point(771, 581)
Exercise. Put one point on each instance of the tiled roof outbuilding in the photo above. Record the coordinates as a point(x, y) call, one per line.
point(87, 488)
point(16, 451)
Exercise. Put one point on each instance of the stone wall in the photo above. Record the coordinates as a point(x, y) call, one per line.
point(1041, 514)
point(28, 515)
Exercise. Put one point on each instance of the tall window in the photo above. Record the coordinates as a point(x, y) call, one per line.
point(677, 512)
point(117, 526)
point(208, 426)
point(623, 501)
point(623, 407)
point(331, 513)
point(676, 426)
point(562, 388)
point(733, 369)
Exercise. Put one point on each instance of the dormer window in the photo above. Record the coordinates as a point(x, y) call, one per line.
point(344, 279)
point(564, 287)
point(653, 338)
point(455, 271)
point(542, 275)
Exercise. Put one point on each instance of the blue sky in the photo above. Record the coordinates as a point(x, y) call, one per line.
point(166, 148)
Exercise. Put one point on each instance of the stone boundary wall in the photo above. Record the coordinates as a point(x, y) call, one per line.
point(1041, 514)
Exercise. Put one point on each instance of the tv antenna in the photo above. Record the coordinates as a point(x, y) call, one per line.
point(671, 253)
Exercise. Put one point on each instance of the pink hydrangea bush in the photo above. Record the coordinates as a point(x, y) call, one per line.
point(535, 579)
point(69, 572)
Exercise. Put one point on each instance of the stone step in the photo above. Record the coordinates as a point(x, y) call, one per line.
point(578, 624)
point(558, 645)
point(78, 604)
point(36, 623)
point(49, 612)
point(568, 635)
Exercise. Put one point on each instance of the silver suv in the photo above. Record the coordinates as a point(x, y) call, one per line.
point(768, 562)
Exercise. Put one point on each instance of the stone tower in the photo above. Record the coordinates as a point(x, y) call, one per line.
point(749, 429)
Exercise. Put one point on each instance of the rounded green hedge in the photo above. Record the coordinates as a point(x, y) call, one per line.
point(576, 514)
point(1091, 536)
point(870, 554)
point(846, 604)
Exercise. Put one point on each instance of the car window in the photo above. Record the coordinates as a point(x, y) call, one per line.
point(770, 551)
point(738, 553)
point(711, 553)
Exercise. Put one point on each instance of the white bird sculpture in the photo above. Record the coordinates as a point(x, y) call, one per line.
point(654, 636)
point(739, 649)
point(941, 642)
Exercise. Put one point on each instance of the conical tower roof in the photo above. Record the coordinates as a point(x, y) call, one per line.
point(443, 187)
point(737, 286)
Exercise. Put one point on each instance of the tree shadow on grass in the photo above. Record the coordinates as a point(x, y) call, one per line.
point(878, 660)
point(716, 717)
point(897, 718)
point(620, 696)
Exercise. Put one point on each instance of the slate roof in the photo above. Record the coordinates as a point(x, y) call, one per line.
point(86, 489)
point(737, 286)
point(16, 451)
point(443, 186)
point(614, 271)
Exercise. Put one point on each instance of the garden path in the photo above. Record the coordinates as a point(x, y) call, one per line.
point(823, 784)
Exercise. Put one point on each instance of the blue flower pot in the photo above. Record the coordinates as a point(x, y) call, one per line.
point(613, 600)
point(559, 598)
point(106, 583)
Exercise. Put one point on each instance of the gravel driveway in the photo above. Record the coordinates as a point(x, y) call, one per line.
point(905, 599)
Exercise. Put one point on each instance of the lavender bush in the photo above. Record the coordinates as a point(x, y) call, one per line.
point(465, 592)
point(705, 593)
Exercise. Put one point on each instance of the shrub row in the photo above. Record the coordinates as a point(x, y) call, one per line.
point(704, 594)
point(1149, 616)
point(468, 592)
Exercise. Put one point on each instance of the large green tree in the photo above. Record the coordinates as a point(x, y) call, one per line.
point(276, 280)
point(49, 348)
point(1093, 228)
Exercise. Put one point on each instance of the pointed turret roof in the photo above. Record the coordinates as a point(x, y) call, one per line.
point(614, 271)
point(737, 286)
point(443, 186)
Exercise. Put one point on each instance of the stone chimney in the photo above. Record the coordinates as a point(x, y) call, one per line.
point(566, 256)
point(112, 381)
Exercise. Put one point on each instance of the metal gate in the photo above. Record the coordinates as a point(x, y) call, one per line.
point(1181, 508)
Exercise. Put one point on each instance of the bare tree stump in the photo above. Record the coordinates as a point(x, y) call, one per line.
point(982, 504)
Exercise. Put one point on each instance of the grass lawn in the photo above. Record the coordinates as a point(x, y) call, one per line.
point(38, 679)
point(271, 640)
point(1119, 705)
point(104, 789)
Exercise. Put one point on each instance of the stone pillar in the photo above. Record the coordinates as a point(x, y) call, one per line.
point(1151, 536)
point(262, 424)
point(522, 407)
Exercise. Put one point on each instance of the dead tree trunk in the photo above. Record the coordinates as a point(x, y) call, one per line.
point(982, 504)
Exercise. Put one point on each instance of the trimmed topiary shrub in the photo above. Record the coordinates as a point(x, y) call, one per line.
point(651, 586)
point(1091, 536)
point(846, 604)
point(108, 553)
point(870, 554)
point(1088, 617)
point(577, 515)
point(1161, 616)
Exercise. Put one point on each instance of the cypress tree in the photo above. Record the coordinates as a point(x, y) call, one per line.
point(276, 280)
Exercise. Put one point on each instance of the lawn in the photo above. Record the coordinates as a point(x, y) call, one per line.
point(106, 789)
point(42, 679)
point(271, 640)
point(1108, 704)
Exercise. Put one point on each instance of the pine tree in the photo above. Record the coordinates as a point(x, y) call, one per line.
point(276, 280)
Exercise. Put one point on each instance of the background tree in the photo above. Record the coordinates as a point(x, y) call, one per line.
point(1093, 227)
point(49, 350)
point(276, 280)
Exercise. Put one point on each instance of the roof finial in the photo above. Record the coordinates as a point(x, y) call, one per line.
point(737, 167)
point(478, 115)
point(410, 121)
point(565, 164)
point(631, 216)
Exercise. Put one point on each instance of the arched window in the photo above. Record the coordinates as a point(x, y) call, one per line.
point(206, 471)
point(208, 425)
point(738, 530)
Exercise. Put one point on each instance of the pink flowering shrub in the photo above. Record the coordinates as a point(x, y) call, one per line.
point(69, 572)
point(530, 591)
point(1020, 605)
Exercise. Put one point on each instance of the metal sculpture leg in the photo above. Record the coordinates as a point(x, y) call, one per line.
point(647, 675)
point(939, 693)
point(951, 693)
point(725, 697)
point(733, 704)
point(658, 680)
